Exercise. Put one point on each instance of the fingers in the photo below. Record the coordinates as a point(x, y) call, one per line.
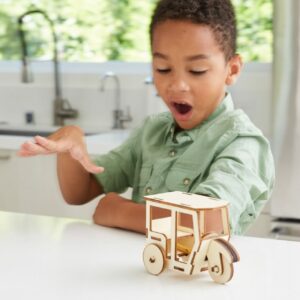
point(30, 149)
point(47, 146)
point(91, 168)
point(42, 146)
point(56, 146)
point(82, 157)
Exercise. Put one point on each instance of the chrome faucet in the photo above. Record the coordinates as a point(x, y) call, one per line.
point(62, 107)
point(118, 114)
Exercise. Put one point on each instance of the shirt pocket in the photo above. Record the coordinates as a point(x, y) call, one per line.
point(181, 179)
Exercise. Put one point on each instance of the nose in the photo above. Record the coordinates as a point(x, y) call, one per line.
point(178, 84)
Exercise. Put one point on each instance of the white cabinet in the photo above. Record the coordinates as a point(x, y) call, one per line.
point(30, 185)
point(261, 227)
point(8, 190)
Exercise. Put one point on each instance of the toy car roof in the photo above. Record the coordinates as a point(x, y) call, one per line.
point(187, 200)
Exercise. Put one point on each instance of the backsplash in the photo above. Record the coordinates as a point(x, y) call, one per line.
point(80, 85)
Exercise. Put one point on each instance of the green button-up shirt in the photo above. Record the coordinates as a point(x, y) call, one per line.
point(225, 157)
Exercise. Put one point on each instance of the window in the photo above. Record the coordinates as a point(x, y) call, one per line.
point(100, 30)
point(255, 29)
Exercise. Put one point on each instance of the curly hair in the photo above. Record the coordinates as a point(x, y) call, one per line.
point(218, 15)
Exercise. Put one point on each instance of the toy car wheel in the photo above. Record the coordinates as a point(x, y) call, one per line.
point(220, 267)
point(154, 259)
point(221, 273)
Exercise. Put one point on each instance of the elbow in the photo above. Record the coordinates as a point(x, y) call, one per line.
point(71, 200)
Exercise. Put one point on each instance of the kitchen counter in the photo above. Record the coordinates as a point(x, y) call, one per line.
point(96, 143)
point(58, 258)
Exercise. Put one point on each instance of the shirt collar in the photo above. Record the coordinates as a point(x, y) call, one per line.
point(225, 106)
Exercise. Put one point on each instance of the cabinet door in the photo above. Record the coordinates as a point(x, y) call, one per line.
point(30, 185)
point(39, 191)
point(8, 184)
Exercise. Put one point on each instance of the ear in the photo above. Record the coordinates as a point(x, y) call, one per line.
point(234, 69)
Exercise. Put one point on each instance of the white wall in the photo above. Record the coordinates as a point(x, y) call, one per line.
point(253, 93)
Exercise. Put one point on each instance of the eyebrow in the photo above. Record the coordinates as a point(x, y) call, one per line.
point(198, 56)
point(159, 55)
point(188, 58)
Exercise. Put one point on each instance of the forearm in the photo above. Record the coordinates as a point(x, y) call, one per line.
point(77, 185)
point(116, 211)
point(132, 217)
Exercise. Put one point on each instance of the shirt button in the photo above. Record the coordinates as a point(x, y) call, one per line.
point(186, 181)
point(148, 190)
point(172, 153)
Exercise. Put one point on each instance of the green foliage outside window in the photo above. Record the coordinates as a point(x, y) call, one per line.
point(100, 30)
point(255, 29)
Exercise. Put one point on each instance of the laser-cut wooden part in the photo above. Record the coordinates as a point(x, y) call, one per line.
point(221, 256)
point(191, 237)
point(154, 259)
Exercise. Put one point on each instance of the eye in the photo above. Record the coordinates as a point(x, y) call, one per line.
point(163, 71)
point(198, 73)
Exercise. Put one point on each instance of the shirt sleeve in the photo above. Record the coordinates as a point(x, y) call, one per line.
point(120, 164)
point(243, 174)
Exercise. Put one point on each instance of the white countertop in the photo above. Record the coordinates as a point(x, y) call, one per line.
point(96, 144)
point(53, 258)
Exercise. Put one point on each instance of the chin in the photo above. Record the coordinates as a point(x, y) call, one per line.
point(185, 126)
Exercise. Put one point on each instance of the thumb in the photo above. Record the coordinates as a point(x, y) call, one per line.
point(84, 160)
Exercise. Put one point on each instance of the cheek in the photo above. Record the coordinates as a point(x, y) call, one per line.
point(211, 84)
point(160, 85)
point(207, 91)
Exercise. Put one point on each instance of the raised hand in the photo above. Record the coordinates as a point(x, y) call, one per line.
point(69, 140)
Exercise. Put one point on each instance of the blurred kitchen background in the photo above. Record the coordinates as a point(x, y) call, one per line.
point(88, 63)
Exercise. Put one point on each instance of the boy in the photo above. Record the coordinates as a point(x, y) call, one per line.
point(201, 146)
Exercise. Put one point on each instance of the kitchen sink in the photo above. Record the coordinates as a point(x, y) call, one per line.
point(24, 132)
point(34, 131)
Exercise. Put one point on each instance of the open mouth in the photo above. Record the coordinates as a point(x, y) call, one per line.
point(182, 108)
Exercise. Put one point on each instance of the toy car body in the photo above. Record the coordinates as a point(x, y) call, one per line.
point(181, 239)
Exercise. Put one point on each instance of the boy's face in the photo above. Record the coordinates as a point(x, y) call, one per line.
point(190, 71)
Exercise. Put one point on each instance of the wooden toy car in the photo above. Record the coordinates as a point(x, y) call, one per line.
point(181, 240)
